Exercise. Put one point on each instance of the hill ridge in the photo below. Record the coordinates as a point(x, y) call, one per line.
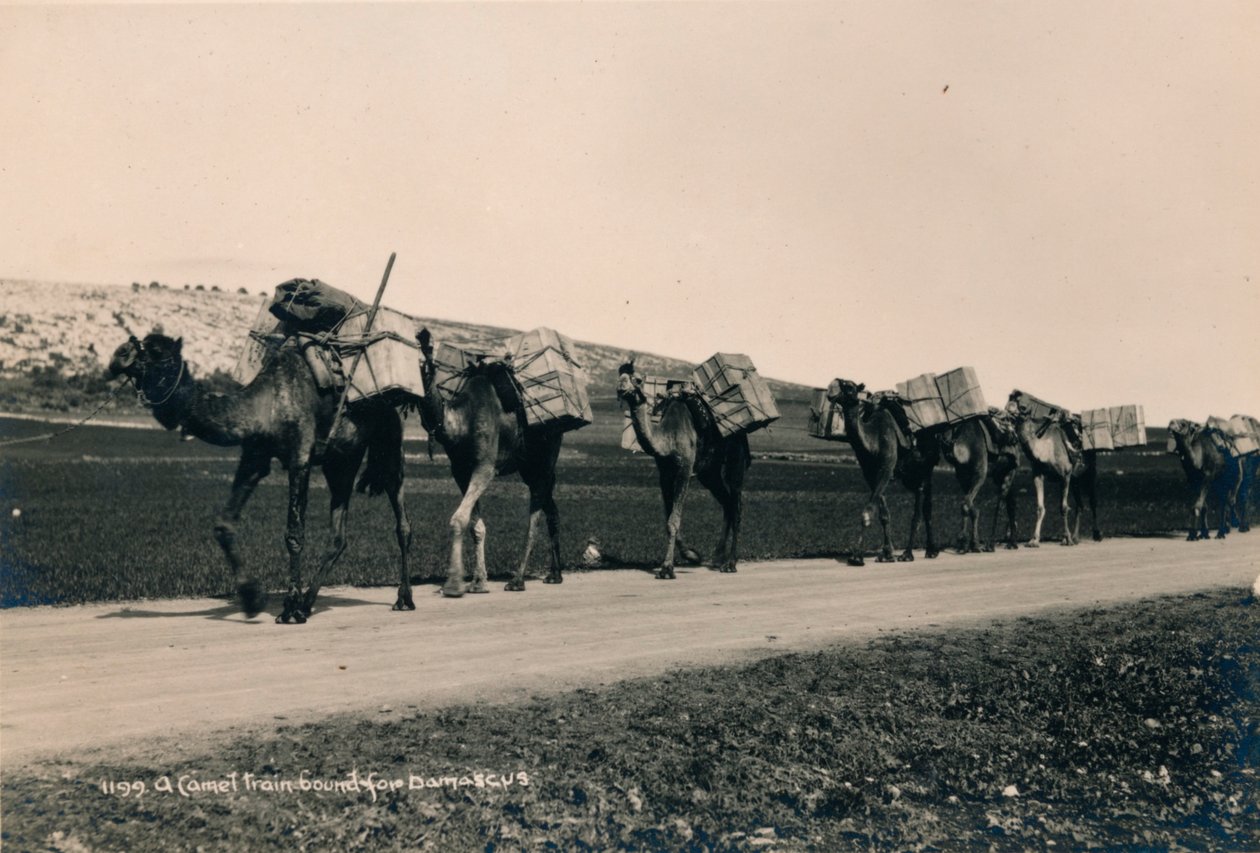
point(73, 328)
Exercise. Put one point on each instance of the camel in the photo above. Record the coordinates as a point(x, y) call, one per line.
point(1208, 468)
point(686, 441)
point(976, 458)
point(885, 448)
point(1051, 451)
point(484, 438)
point(280, 415)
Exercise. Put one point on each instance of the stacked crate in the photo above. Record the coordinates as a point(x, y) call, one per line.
point(1128, 426)
point(552, 382)
point(390, 364)
point(930, 400)
point(739, 398)
point(1096, 430)
point(1238, 430)
point(921, 400)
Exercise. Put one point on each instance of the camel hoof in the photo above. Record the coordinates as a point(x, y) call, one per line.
point(665, 574)
point(253, 598)
point(907, 557)
point(1066, 543)
point(554, 578)
point(1032, 544)
point(478, 588)
point(404, 602)
point(514, 586)
point(1243, 528)
point(295, 617)
point(1220, 534)
point(1012, 546)
point(856, 561)
point(453, 592)
point(1097, 536)
point(728, 570)
point(931, 555)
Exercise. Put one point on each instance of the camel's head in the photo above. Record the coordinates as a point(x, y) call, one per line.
point(629, 386)
point(1017, 404)
point(133, 357)
point(1179, 428)
point(843, 391)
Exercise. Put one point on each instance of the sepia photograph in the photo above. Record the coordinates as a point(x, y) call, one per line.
point(657, 425)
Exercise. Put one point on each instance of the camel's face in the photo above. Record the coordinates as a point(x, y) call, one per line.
point(628, 387)
point(1178, 428)
point(843, 391)
point(1015, 406)
point(125, 358)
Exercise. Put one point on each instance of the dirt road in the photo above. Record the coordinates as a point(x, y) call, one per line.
point(104, 681)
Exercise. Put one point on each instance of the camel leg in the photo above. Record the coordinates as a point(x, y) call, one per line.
point(478, 530)
point(250, 471)
point(339, 474)
point(969, 536)
point(1039, 487)
point(295, 538)
point(402, 531)
point(478, 482)
point(674, 492)
point(1197, 511)
point(517, 583)
point(907, 556)
point(929, 529)
point(715, 483)
point(1066, 511)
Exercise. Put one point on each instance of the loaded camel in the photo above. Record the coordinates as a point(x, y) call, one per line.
point(687, 441)
point(484, 438)
point(1208, 468)
point(885, 449)
point(978, 450)
point(1052, 452)
point(281, 415)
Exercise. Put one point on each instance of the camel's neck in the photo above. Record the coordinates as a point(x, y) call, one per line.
point(1196, 453)
point(212, 417)
point(433, 414)
point(645, 432)
point(860, 433)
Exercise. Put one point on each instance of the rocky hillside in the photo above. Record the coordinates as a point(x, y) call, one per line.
point(74, 328)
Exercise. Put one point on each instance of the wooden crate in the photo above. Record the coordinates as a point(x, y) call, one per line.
point(553, 383)
point(450, 366)
point(921, 400)
point(1128, 426)
point(826, 420)
point(961, 395)
point(740, 399)
point(553, 390)
point(261, 340)
point(1252, 425)
point(1096, 430)
point(1239, 433)
point(390, 364)
point(657, 390)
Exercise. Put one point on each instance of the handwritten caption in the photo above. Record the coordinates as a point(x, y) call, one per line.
point(354, 783)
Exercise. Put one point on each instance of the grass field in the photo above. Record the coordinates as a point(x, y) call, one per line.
point(109, 513)
point(1135, 728)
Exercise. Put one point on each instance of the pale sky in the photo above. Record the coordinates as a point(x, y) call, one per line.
point(1065, 196)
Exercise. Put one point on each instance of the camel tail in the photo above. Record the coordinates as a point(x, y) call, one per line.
point(383, 472)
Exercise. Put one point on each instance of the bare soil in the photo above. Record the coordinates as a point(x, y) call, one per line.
point(102, 681)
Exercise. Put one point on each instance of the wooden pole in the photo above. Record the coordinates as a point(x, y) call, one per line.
point(322, 444)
